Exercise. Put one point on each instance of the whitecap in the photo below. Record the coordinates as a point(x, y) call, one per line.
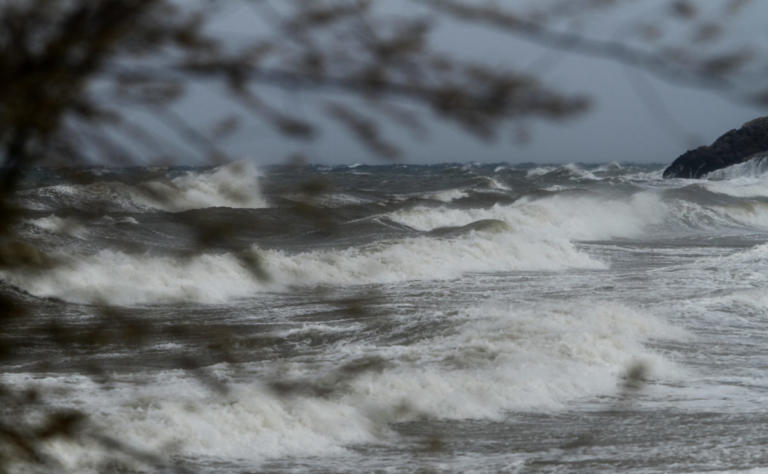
point(499, 358)
point(566, 217)
point(120, 278)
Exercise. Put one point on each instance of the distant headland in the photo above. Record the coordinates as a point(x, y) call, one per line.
point(736, 146)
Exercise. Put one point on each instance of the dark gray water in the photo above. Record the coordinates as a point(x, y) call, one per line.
point(450, 317)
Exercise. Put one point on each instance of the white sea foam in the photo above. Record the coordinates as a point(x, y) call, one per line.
point(119, 278)
point(567, 217)
point(697, 216)
point(580, 173)
point(747, 266)
point(574, 170)
point(746, 179)
point(744, 303)
point(488, 182)
point(539, 171)
point(584, 218)
point(739, 187)
point(174, 416)
point(60, 225)
point(443, 195)
point(497, 358)
point(233, 185)
point(745, 271)
point(612, 166)
point(328, 200)
point(647, 179)
point(509, 357)
point(754, 168)
point(446, 195)
point(129, 279)
point(754, 215)
point(122, 220)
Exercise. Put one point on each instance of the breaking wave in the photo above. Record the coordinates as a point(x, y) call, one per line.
point(60, 225)
point(496, 358)
point(754, 168)
point(590, 217)
point(530, 234)
point(120, 278)
point(446, 195)
point(234, 185)
point(567, 217)
point(748, 179)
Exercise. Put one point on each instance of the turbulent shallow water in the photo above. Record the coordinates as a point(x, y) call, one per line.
point(451, 317)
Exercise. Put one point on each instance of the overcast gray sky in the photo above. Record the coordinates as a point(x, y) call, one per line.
point(635, 117)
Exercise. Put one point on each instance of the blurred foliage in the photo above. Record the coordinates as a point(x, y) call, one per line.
point(76, 74)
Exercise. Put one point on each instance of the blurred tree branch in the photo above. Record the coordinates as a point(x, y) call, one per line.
point(679, 66)
point(71, 71)
point(61, 58)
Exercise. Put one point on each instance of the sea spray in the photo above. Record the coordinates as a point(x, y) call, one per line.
point(569, 217)
point(414, 318)
point(494, 358)
point(121, 278)
point(234, 185)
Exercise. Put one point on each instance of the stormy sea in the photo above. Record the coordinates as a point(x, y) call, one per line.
point(395, 318)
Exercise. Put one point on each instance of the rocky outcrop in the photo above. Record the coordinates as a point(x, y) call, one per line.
point(736, 146)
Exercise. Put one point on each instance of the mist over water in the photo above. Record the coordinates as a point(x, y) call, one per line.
point(450, 317)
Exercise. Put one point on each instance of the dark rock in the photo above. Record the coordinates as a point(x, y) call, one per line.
point(736, 146)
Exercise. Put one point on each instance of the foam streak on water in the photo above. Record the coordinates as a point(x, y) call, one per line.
point(483, 318)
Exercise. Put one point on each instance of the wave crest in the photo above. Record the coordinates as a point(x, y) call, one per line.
point(497, 358)
point(561, 216)
point(235, 185)
point(120, 278)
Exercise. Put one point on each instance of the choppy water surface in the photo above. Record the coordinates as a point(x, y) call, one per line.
point(451, 317)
